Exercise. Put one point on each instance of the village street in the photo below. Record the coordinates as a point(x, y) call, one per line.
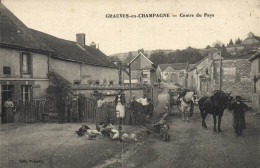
point(192, 146)
point(52, 145)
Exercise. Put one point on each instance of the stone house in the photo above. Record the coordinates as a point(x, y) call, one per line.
point(24, 60)
point(78, 63)
point(143, 72)
point(28, 56)
point(173, 72)
point(215, 73)
point(255, 71)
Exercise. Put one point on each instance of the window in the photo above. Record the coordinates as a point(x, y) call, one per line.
point(145, 75)
point(26, 93)
point(76, 82)
point(111, 82)
point(7, 70)
point(97, 82)
point(7, 92)
point(90, 82)
point(26, 63)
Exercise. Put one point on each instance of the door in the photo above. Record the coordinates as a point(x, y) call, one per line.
point(7, 92)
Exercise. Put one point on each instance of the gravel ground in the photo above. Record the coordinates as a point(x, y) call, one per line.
point(193, 146)
point(57, 145)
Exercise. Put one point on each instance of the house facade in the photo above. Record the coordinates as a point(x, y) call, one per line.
point(215, 73)
point(143, 72)
point(28, 56)
point(174, 73)
point(24, 61)
point(255, 71)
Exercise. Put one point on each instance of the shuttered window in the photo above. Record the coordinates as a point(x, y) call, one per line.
point(26, 63)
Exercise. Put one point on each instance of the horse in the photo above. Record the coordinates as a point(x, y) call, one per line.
point(215, 105)
point(187, 104)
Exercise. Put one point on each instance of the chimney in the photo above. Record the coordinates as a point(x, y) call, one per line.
point(93, 45)
point(80, 39)
point(141, 50)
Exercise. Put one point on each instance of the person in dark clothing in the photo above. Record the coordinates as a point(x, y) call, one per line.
point(150, 108)
point(239, 109)
point(120, 95)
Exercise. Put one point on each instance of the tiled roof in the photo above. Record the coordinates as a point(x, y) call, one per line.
point(191, 67)
point(175, 66)
point(70, 50)
point(14, 33)
point(256, 55)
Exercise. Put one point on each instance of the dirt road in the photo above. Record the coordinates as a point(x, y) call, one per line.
point(193, 146)
point(56, 145)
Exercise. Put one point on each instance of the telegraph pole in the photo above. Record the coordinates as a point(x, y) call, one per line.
point(220, 72)
point(130, 81)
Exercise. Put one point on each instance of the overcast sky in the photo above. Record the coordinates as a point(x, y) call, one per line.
point(65, 18)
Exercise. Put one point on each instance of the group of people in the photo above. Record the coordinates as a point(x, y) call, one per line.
point(139, 110)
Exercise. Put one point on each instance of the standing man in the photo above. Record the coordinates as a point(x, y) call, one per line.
point(150, 108)
point(239, 109)
point(9, 114)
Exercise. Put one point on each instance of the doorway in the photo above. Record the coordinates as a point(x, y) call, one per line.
point(7, 92)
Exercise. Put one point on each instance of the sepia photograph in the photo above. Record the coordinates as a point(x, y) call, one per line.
point(129, 84)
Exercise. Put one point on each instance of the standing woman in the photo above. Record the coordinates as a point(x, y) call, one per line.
point(8, 115)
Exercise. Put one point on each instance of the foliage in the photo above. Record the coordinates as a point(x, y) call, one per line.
point(190, 55)
point(231, 42)
point(238, 41)
point(59, 92)
point(128, 58)
point(207, 47)
point(158, 57)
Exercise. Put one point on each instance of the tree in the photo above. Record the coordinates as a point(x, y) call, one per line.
point(231, 42)
point(224, 52)
point(190, 55)
point(217, 44)
point(158, 57)
point(207, 47)
point(238, 41)
point(128, 58)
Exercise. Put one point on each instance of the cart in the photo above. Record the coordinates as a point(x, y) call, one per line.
point(174, 98)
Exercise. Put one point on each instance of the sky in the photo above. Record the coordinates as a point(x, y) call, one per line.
point(66, 18)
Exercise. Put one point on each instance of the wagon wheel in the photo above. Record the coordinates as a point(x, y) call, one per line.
point(178, 103)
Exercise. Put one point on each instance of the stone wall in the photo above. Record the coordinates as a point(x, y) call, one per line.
point(236, 77)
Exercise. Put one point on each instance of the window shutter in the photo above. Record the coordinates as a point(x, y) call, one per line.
point(21, 64)
point(30, 65)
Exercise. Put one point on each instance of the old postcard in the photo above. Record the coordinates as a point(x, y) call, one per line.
point(134, 83)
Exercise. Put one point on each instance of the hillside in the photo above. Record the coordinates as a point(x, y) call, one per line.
point(123, 56)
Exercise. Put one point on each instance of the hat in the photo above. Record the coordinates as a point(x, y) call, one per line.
point(238, 98)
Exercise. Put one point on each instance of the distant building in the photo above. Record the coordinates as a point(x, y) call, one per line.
point(255, 70)
point(173, 72)
point(143, 72)
point(215, 73)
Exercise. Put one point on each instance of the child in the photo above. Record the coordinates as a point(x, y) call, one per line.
point(239, 109)
point(164, 131)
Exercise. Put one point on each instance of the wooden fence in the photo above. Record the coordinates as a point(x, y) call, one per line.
point(84, 110)
point(32, 111)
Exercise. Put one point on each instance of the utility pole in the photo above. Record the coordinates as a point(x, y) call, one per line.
point(220, 72)
point(130, 81)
